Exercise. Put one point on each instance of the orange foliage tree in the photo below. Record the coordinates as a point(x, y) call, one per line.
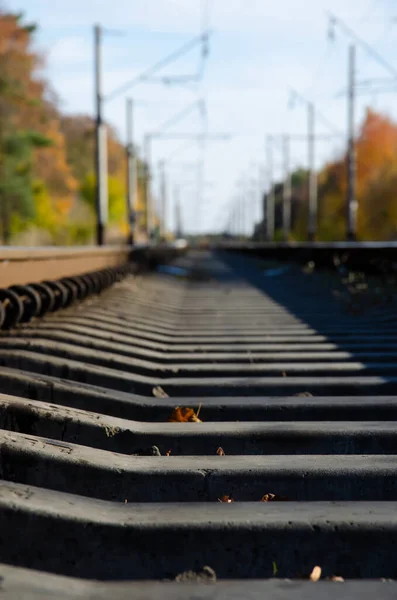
point(376, 180)
point(376, 186)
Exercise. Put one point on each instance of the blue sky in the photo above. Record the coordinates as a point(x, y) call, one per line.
point(258, 51)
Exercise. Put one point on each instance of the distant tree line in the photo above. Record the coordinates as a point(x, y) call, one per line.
point(376, 189)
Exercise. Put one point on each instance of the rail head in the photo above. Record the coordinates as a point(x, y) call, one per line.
point(363, 256)
point(20, 266)
point(370, 245)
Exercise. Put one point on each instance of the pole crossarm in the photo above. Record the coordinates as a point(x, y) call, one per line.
point(302, 137)
point(191, 136)
point(183, 165)
point(174, 80)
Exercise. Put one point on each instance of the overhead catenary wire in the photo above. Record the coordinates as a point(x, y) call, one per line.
point(179, 116)
point(295, 95)
point(336, 21)
point(197, 40)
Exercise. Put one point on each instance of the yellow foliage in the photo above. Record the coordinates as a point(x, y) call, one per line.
point(47, 215)
point(116, 198)
point(376, 181)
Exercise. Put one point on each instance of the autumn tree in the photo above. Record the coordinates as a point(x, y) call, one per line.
point(79, 132)
point(16, 191)
point(15, 143)
point(376, 150)
point(47, 180)
point(32, 148)
point(376, 184)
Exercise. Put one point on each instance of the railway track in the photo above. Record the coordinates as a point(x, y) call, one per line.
point(297, 398)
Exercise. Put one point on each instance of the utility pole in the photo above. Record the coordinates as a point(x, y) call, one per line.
point(270, 200)
point(239, 216)
point(178, 217)
point(351, 153)
point(131, 170)
point(101, 196)
point(261, 181)
point(286, 190)
point(163, 200)
point(235, 220)
point(149, 137)
point(148, 197)
point(242, 213)
point(312, 180)
point(254, 194)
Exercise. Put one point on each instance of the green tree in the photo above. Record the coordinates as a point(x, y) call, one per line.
point(16, 193)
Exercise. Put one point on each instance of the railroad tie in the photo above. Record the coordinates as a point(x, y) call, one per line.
point(220, 421)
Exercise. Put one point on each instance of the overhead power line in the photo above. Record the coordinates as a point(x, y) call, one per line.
point(180, 115)
point(335, 21)
point(145, 75)
point(321, 117)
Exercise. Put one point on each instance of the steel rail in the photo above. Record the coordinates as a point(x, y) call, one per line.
point(102, 496)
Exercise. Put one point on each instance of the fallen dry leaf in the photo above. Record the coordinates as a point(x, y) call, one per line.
point(284, 374)
point(184, 414)
point(151, 451)
point(220, 452)
point(273, 498)
point(207, 575)
point(225, 498)
point(158, 392)
point(336, 578)
point(168, 453)
point(305, 395)
point(315, 574)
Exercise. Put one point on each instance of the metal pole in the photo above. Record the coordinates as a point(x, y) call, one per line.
point(242, 214)
point(351, 229)
point(270, 200)
point(241, 207)
point(101, 196)
point(177, 206)
point(148, 199)
point(312, 180)
point(251, 200)
point(286, 191)
point(163, 200)
point(260, 192)
point(131, 172)
point(180, 218)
